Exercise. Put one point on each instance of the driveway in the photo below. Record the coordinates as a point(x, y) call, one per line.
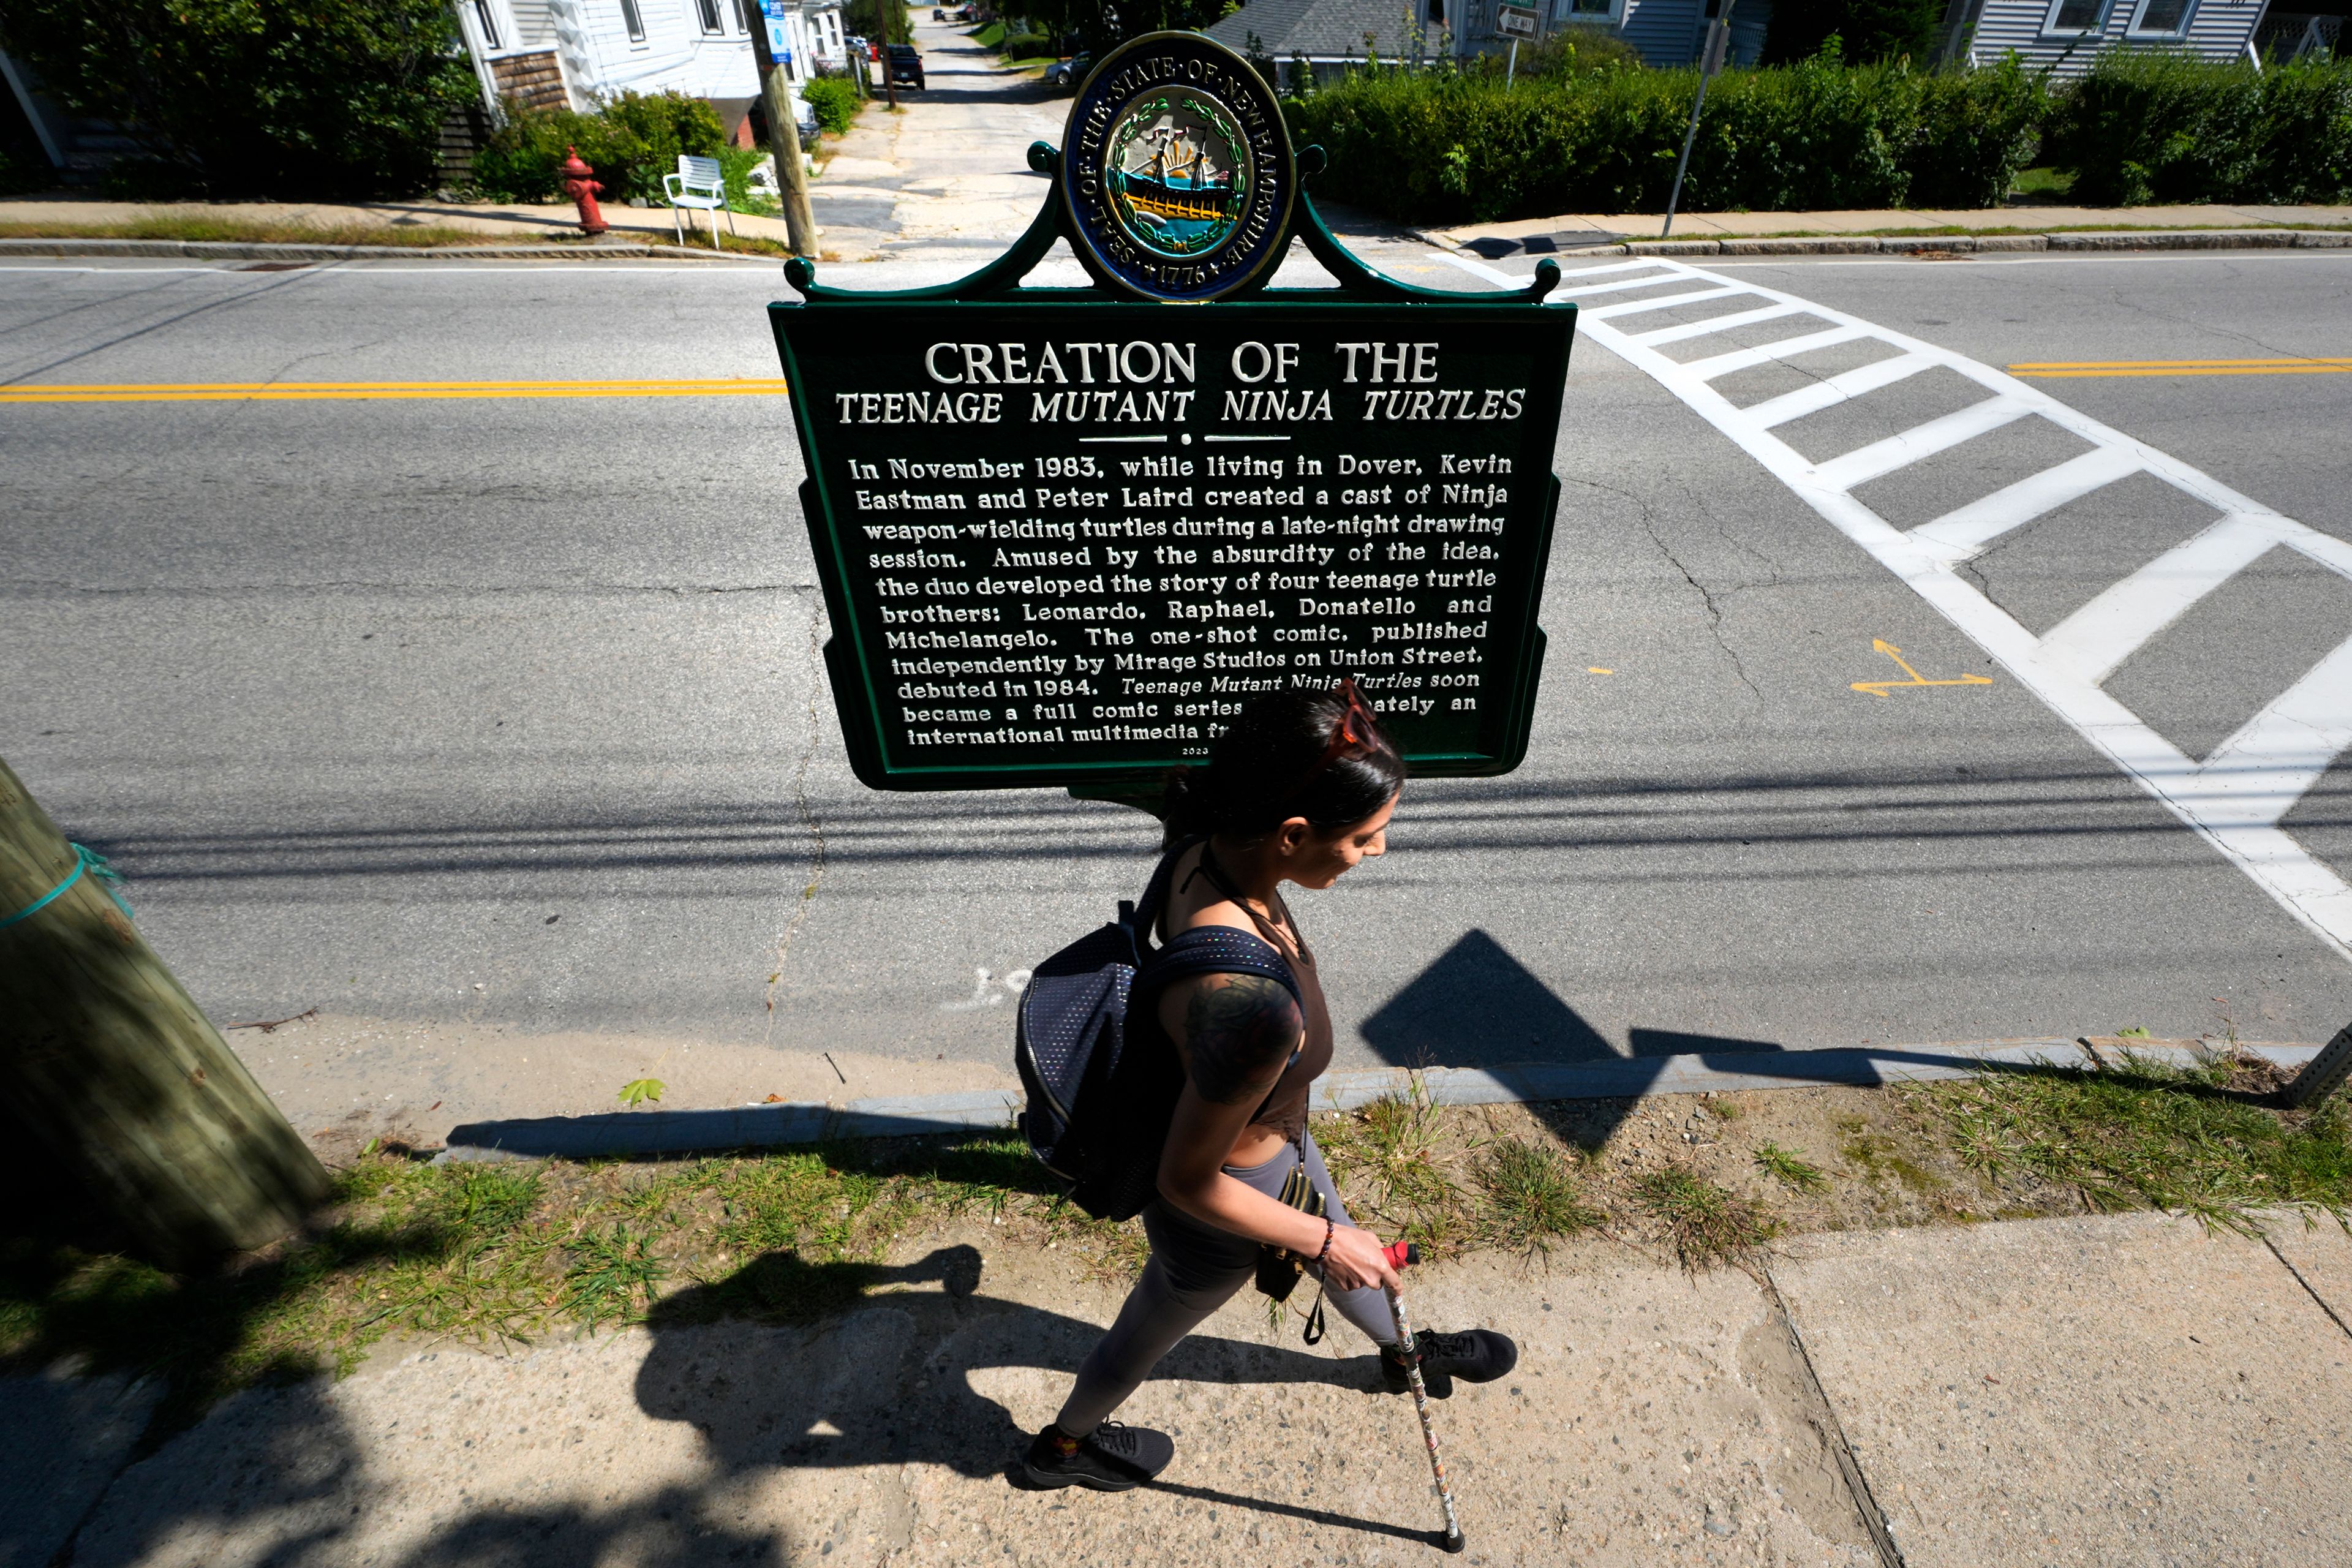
point(949, 171)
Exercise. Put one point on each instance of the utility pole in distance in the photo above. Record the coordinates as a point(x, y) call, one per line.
point(118, 1076)
point(783, 139)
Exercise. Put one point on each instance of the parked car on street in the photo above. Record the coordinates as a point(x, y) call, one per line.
point(1068, 74)
point(906, 66)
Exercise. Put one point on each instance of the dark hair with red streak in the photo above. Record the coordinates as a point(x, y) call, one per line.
point(1316, 754)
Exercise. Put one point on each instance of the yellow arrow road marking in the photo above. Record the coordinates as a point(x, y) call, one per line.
point(332, 391)
point(1881, 687)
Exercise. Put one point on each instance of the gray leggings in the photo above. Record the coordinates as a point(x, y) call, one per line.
point(1194, 1270)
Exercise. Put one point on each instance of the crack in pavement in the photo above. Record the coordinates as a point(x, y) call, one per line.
point(1707, 596)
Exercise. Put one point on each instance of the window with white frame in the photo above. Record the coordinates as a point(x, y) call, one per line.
point(2075, 17)
point(486, 15)
point(2161, 18)
point(1587, 11)
point(633, 20)
point(707, 12)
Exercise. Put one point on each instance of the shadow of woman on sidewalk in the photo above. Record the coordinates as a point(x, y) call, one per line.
point(889, 1382)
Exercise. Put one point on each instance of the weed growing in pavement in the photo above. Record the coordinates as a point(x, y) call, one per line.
point(1392, 1145)
point(1790, 1169)
point(1706, 1222)
point(1531, 1194)
point(2199, 1139)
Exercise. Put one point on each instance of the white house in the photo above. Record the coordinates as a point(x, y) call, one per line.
point(547, 53)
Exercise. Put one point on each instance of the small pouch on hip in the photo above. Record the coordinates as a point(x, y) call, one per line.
point(1278, 1269)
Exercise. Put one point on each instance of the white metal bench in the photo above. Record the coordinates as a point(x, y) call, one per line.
point(701, 186)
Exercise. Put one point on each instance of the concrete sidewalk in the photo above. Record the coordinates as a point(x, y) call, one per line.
point(2125, 1390)
point(1568, 231)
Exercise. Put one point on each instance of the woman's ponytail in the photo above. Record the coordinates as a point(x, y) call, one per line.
point(1311, 754)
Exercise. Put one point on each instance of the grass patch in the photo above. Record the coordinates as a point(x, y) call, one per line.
point(511, 1253)
point(2044, 184)
point(205, 227)
point(1877, 1155)
point(1531, 1194)
point(2200, 1140)
point(1705, 1221)
point(1790, 1169)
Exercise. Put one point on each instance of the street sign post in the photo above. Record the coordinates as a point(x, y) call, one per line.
point(1516, 22)
point(1066, 535)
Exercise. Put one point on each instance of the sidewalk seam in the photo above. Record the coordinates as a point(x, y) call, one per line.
point(1857, 1485)
point(2299, 1279)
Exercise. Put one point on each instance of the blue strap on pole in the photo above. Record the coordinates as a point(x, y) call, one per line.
point(85, 859)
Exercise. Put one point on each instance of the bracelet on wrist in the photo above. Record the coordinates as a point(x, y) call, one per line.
point(1329, 1230)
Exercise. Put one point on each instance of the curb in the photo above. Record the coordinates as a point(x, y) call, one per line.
point(230, 250)
point(1947, 243)
point(622, 1134)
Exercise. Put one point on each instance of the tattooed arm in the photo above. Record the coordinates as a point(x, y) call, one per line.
point(1235, 1033)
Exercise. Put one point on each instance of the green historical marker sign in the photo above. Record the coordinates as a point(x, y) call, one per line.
point(1066, 534)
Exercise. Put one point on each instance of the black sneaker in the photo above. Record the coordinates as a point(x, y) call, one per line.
point(1473, 1355)
point(1113, 1457)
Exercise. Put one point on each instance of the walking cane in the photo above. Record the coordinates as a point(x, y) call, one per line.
point(1400, 1255)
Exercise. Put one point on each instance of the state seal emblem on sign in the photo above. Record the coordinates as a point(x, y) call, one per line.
point(1177, 170)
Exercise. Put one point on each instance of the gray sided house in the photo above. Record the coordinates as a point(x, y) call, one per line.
point(1333, 36)
point(2062, 36)
point(2066, 36)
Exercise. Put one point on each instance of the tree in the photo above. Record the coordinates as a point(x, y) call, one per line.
point(1103, 23)
point(1868, 29)
point(320, 98)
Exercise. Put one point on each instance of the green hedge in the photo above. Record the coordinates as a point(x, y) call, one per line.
point(2144, 126)
point(1026, 45)
point(630, 142)
point(1437, 147)
point(338, 99)
point(835, 99)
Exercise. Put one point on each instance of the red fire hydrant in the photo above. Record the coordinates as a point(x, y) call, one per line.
point(583, 191)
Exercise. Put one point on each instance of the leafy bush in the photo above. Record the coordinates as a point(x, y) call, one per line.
point(20, 173)
point(2148, 125)
point(736, 165)
point(630, 142)
point(1439, 147)
point(320, 98)
point(1977, 131)
point(835, 100)
point(1026, 45)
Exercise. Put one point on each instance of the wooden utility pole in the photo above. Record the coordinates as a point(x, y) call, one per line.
point(784, 142)
point(114, 1074)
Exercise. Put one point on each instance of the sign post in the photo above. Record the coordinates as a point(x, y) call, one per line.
point(1066, 535)
point(1711, 56)
point(1516, 22)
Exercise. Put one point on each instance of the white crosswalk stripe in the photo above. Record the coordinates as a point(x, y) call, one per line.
point(2235, 796)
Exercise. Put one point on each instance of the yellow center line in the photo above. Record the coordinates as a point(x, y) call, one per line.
point(331, 391)
point(2065, 369)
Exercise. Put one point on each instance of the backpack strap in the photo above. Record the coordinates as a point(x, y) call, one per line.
point(1214, 949)
point(1155, 892)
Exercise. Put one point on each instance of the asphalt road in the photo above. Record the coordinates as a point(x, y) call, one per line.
point(503, 711)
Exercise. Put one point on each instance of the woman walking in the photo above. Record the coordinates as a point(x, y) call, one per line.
point(1300, 790)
